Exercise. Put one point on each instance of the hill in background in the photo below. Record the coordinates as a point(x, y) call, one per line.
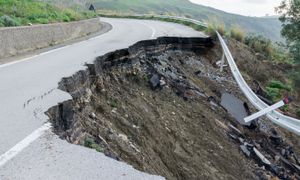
point(269, 27)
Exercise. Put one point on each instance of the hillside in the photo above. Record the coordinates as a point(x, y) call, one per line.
point(23, 12)
point(269, 27)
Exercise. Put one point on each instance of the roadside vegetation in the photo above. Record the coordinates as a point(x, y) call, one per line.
point(90, 143)
point(276, 90)
point(25, 12)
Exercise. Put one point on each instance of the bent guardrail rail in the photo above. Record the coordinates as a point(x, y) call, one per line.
point(289, 123)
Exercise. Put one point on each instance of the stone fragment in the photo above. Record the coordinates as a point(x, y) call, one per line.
point(154, 81)
point(245, 150)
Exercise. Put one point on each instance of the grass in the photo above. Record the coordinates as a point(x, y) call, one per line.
point(276, 52)
point(269, 27)
point(237, 33)
point(113, 103)
point(298, 113)
point(24, 12)
point(276, 89)
point(90, 143)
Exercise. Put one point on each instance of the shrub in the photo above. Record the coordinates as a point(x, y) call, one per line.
point(275, 90)
point(298, 112)
point(90, 143)
point(237, 34)
point(8, 21)
point(260, 44)
point(278, 85)
point(211, 31)
point(273, 93)
point(114, 103)
point(221, 29)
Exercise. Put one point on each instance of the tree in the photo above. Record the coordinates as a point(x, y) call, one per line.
point(289, 11)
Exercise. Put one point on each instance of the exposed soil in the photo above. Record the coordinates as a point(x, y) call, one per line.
point(157, 107)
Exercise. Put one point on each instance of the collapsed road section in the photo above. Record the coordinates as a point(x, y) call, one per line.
point(158, 106)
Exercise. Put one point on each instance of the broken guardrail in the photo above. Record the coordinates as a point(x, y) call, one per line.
point(289, 123)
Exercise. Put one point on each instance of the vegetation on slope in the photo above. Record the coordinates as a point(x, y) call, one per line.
point(23, 12)
point(269, 27)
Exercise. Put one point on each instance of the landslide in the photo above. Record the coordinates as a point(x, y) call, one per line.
point(156, 106)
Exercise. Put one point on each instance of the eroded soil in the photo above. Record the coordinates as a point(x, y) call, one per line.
point(157, 107)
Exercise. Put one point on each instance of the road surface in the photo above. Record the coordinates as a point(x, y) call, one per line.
point(28, 148)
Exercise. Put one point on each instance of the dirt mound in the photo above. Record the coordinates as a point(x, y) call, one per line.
point(157, 107)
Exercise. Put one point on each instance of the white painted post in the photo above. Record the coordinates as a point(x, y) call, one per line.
point(266, 110)
point(222, 62)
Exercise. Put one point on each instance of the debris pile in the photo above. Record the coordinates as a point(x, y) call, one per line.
point(157, 106)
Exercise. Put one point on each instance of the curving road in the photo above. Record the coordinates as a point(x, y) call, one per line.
point(28, 148)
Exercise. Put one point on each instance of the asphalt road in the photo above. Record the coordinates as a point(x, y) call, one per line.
point(28, 148)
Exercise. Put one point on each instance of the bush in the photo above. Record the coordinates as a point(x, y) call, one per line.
point(298, 112)
point(211, 30)
point(275, 89)
point(273, 93)
point(90, 143)
point(279, 85)
point(237, 34)
point(8, 21)
point(260, 44)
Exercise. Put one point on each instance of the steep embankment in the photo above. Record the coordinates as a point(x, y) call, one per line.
point(157, 106)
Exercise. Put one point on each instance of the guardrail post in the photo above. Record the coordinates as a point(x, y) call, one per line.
point(222, 62)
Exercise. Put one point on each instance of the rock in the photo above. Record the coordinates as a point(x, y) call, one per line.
point(235, 130)
point(245, 150)
point(274, 137)
point(277, 158)
point(114, 110)
point(123, 137)
point(162, 82)
point(261, 157)
point(274, 169)
point(234, 137)
point(92, 115)
point(154, 81)
point(111, 155)
point(241, 140)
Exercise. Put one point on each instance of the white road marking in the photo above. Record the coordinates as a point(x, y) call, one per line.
point(8, 155)
point(152, 29)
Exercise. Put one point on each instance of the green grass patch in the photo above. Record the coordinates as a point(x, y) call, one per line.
point(276, 89)
point(90, 143)
point(298, 113)
point(113, 103)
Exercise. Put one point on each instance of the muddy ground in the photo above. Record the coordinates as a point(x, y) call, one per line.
point(157, 107)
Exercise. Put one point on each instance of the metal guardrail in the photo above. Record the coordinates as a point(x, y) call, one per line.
point(289, 123)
